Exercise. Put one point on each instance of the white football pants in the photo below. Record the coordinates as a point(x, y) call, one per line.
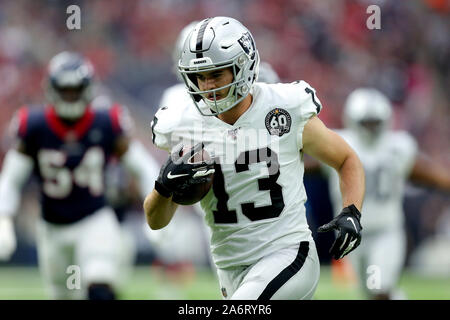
point(287, 274)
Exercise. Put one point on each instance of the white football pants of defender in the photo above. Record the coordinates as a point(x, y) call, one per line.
point(93, 244)
point(378, 261)
point(288, 274)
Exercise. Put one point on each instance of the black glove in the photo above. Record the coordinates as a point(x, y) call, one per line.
point(349, 235)
point(177, 174)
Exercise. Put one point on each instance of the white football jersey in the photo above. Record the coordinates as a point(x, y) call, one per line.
point(256, 204)
point(387, 165)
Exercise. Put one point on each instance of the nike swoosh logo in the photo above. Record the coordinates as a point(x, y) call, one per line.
point(174, 176)
point(351, 219)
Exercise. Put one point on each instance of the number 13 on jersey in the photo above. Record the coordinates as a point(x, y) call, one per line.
point(223, 214)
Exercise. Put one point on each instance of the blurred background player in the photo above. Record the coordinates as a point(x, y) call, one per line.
point(267, 74)
point(68, 144)
point(389, 158)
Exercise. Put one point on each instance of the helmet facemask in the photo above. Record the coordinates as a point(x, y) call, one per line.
point(69, 85)
point(238, 88)
point(70, 103)
point(371, 129)
point(368, 112)
point(373, 125)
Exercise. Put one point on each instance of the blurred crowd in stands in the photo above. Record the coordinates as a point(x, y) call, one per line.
point(326, 43)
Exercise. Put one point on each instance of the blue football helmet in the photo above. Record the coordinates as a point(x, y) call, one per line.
point(69, 84)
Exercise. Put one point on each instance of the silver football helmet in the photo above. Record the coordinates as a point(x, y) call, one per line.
point(69, 84)
point(218, 43)
point(368, 112)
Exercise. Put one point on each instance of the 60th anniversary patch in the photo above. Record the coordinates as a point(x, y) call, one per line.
point(278, 122)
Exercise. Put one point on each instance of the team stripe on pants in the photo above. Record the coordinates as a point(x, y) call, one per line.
point(287, 273)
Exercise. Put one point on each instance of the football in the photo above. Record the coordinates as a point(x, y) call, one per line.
point(194, 193)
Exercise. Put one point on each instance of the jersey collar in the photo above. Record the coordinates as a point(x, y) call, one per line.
point(69, 132)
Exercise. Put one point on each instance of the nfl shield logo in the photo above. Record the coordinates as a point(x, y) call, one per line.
point(232, 133)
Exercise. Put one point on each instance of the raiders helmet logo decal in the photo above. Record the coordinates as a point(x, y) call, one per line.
point(278, 122)
point(247, 45)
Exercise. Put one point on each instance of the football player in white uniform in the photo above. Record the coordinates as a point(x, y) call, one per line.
point(389, 159)
point(255, 134)
point(67, 144)
point(169, 242)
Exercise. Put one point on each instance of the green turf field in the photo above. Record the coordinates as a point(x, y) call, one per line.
point(25, 283)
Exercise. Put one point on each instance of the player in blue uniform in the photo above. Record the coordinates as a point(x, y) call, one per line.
point(70, 159)
point(67, 144)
